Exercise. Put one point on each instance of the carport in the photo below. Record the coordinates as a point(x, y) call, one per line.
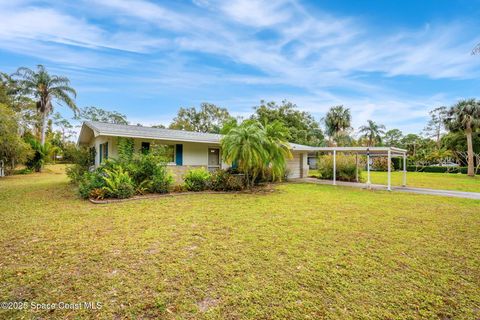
point(389, 152)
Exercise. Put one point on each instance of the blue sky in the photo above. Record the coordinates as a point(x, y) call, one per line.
point(390, 61)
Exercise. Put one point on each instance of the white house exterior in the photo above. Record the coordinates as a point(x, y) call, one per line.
point(188, 149)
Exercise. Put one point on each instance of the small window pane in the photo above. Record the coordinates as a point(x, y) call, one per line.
point(105, 151)
point(145, 147)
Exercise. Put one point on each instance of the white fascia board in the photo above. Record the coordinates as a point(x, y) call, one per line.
point(155, 138)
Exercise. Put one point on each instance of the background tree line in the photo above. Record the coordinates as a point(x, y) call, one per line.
point(32, 132)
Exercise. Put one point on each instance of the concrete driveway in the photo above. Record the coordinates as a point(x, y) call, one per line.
point(434, 192)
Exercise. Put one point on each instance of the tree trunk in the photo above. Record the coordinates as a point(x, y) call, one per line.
point(44, 128)
point(471, 169)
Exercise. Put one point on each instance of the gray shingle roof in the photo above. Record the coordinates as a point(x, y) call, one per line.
point(131, 131)
point(121, 130)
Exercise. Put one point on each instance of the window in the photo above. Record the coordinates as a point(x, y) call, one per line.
point(167, 151)
point(103, 151)
point(145, 147)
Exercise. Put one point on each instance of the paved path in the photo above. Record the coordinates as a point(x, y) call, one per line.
point(435, 192)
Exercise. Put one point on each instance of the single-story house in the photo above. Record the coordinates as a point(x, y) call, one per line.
point(185, 148)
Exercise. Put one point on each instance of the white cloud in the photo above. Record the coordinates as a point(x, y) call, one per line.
point(46, 25)
point(256, 13)
point(306, 51)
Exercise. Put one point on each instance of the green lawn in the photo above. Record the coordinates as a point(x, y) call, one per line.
point(447, 181)
point(304, 251)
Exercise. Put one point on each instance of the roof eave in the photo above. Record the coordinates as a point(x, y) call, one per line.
point(137, 136)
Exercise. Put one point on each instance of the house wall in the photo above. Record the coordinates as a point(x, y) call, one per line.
point(305, 166)
point(297, 167)
point(194, 154)
point(112, 147)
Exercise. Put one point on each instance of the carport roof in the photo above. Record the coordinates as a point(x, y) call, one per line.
point(301, 147)
point(364, 150)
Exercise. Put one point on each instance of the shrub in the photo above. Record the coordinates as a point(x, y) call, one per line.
point(97, 193)
point(222, 180)
point(144, 187)
point(345, 167)
point(90, 181)
point(84, 158)
point(381, 164)
point(161, 179)
point(125, 148)
point(118, 183)
point(265, 176)
point(40, 155)
point(74, 173)
point(142, 167)
point(148, 171)
point(197, 179)
point(179, 188)
point(70, 152)
point(13, 149)
point(438, 169)
point(23, 171)
point(123, 178)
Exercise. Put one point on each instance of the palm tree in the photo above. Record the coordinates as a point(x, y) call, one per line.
point(372, 132)
point(277, 147)
point(245, 145)
point(465, 116)
point(45, 89)
point(257, 148)
point(41, 154)
point(337, 120)
point(476, 50)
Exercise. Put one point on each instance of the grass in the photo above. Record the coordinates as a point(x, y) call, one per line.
point(304, 251)
point(446, 181)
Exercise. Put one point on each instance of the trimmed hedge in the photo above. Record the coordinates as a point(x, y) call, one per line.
point(438, 169)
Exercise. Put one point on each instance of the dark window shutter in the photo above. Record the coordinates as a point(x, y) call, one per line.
point(101, 152)
point(179, 154)
point(106, 150)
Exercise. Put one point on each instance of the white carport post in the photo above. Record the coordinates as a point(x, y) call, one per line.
point(389, 183)
point(368, 169)
point(356, 167)
point(334, 167)
point(404, 184)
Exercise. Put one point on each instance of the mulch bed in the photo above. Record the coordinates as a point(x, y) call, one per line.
point(264, 189)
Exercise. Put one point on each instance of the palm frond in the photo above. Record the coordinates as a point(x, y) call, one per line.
point(63, 98)
point(476, 49)
point(66, 89)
